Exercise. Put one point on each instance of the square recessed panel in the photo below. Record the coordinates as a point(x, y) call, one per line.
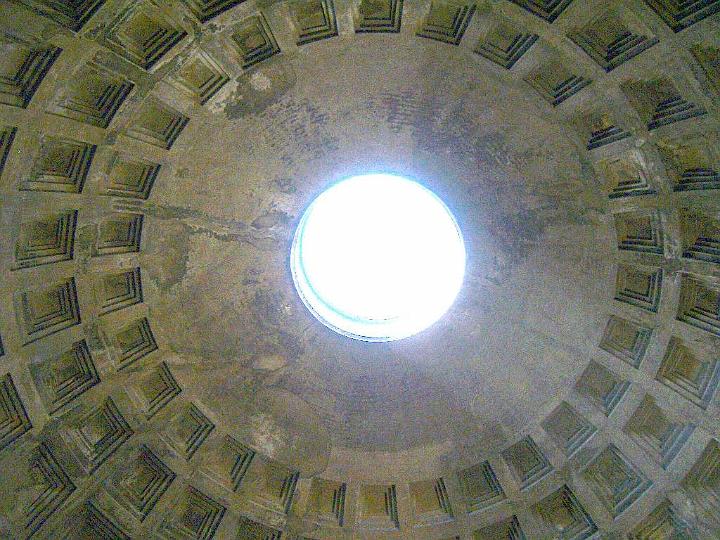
point(691, 374)
point(507, 529)
point(133, 341)
point(379, 16)
point(95, 434)
point(680, 14)
point(527, 462)
point(431, 502)
point(194, 516)
point(93, 96)
point(548, 10)
point(119, 290)
point(378, 507)
point(22, 69)
point(158, 124)
point(599, 127)
point(690, 162)
point(14, 420)
point(610, 42)
point(657, 432)
point(202, 76)
point(626, 340)
point(480, 486)
point(53, 482)
point(563, 516)
point(660, 101)
point(254, 41)
point(47, 240)
point(602, 387)
point(640, 231)
point(88, 521)
point(700, 304)
point(639, 287)
point(230, 462)
point(204, 10)
point(119, 234)
point(315, 20)
point(626, 175)
point(700, 236)
point(47, 310)
point(447, 20)
point(62, 378)
point(556, 82)
point(708, 58)
point(72, 14)
point(618, 483)
point(328, 501)
point(156, 389)
point(61, 165)
point(663, 522)
point(187, 431)
point(505, 43)
point(248, 529)
point(702, 484)
point(131, 178)
point(140, 484)
point(569, 428)
point(143, 35)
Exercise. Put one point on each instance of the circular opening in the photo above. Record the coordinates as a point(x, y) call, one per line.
point(378, 257)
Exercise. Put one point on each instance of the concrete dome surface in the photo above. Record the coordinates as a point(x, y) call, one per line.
point(160, 376)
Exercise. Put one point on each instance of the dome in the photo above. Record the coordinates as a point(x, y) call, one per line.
point(162, 377)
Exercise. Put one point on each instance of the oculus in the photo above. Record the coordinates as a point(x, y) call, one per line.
point(378, 257)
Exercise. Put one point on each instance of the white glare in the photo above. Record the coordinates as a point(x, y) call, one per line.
point(378, 257)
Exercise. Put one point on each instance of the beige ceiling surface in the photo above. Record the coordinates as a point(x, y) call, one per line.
point(159, 375)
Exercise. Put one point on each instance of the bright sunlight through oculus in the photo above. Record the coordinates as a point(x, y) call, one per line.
point(378, 257)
